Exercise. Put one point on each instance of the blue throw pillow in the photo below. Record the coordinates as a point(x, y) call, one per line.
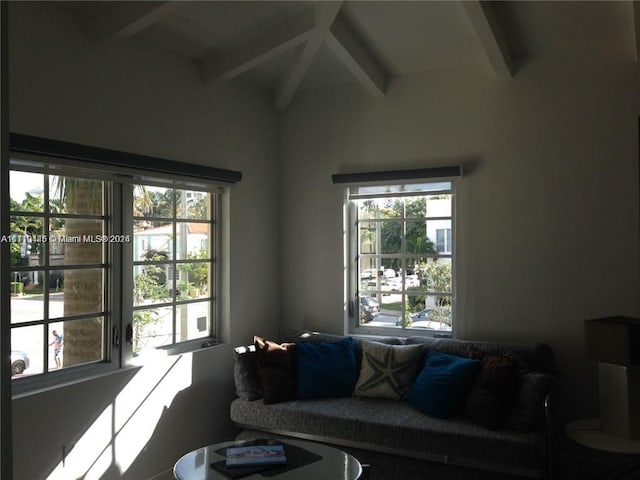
point(443, 384)
point(326, 369)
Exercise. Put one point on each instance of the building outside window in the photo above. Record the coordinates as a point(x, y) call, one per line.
point(402, 257)
point(103, 268)
point(443, 240)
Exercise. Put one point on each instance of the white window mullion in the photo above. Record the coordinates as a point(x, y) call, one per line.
point(123, 313)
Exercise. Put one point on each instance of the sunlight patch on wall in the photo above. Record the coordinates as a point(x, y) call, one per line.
point(85, 457)
point(139, 407)
point(120, 433)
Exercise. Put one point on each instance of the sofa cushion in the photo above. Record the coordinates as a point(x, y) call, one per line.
point(277, 370)
point(391, 426)
point(443, 384)
point(494, 384)
point(326, 369)
point(245, 373)
point(387, 370)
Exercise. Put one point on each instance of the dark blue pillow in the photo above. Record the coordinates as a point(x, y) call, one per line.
point(326, 369)
point(443, 384)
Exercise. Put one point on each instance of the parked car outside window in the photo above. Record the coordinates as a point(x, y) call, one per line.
point(19, 362)
point(369, 308)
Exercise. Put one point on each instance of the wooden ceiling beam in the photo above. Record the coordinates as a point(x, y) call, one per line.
point(324, 16)
point(356, 57)
point(491, 36)
point(125, 19)
point(260, 48)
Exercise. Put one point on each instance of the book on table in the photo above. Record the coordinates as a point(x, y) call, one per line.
point(255, 455)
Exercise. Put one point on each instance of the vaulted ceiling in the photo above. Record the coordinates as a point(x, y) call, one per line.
point(288, 46)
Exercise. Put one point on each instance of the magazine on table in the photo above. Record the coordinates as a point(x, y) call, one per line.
point(255, 455)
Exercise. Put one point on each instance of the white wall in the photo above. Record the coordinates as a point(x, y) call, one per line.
point(133, 97)
point(549, 199)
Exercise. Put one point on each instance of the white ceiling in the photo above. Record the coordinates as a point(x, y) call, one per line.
point(287, 46)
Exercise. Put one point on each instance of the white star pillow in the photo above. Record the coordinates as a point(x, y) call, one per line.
point(387, 371)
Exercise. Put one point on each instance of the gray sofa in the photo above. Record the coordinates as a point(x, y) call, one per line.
point(401, 442)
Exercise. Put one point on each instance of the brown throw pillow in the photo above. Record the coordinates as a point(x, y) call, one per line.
point(493, 386)
point(277, 370)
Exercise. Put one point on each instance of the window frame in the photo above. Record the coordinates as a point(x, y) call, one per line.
point(118, 351)
point(352, 281)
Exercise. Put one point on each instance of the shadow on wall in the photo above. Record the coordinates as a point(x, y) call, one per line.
point(195, 418)
point(113, 442)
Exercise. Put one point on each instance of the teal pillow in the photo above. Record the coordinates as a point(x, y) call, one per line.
point(443, 384)
point(326, 369)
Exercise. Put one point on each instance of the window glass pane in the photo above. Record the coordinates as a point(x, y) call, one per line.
point(390, 267)
point(26, 191)
point(443, 240)
point(439, 244)
point(409, 187)
point(375, 284)
point(390, 309)
point(378, 189)
point(73, 195)
point(439, 206)
point(27, 304)
point(391, 237)
point(152, 241)
point(369, 235)
point(382, 208)
point(192, 240)
point(367, 268)
point(151, 201)
point(77, 241)
point(412, 277)
point(152, 327)
point(390, 208)
point(82, 342)
point(56, 283)
point(369, 309)
point(153, 284)
point(193, 280)
point(193, 205)
point(83, 291)
point(27, 240)
point(368, 209)
point(417, 240)
point(437, 274)
point(432, 312)
point(192, 321)
point(27, 350)
point(415, 207)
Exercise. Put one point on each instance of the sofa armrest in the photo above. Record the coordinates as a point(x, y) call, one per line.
point(551, 428)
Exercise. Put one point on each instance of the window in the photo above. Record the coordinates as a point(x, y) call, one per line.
point(443, 240)
point(172, 265)
point(107, 263)
point(400, 243)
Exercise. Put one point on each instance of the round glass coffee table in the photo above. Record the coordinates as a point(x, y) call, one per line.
point(305, 460)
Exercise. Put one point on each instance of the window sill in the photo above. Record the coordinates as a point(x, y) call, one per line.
point(179, 349)
point(374, 332)
point(39, 384)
